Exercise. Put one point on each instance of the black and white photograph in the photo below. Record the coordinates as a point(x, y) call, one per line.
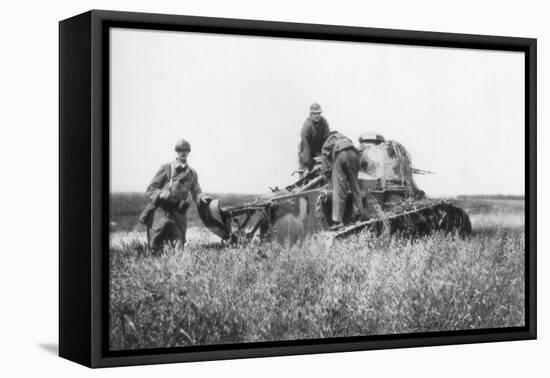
point(267, 189)
point(277, 188)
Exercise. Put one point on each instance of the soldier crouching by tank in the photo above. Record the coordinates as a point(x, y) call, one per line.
point(340, 165)
point(165, 217)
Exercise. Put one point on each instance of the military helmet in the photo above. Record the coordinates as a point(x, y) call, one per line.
point(182, 145)
point(315, 108)
point(371, 137)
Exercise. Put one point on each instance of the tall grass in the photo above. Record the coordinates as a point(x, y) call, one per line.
point(213, 294)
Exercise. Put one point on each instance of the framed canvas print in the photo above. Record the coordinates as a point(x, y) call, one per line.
point(236, 188)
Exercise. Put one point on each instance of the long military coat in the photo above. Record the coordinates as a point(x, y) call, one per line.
point(340, 164)
point(169, 223)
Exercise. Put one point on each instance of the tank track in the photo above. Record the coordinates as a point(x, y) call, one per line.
point(414, 218)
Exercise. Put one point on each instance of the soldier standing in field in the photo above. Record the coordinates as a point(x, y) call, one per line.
point(314, 133)
point(340, 165)
point(169, 191)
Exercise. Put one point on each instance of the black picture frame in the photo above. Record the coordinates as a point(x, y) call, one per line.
point(84, 186)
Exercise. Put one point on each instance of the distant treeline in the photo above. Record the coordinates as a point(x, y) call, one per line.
point(492, 196)
point(125, 208)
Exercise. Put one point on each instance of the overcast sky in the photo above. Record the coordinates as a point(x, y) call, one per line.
point(241, 102)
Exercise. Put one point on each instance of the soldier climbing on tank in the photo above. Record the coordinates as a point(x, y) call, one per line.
point(165, 217)
point(340, 165)
point(314, 133)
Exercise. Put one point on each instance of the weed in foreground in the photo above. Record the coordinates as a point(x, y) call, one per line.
point(213, 294)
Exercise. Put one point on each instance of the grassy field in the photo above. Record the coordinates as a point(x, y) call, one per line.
point(212, 294)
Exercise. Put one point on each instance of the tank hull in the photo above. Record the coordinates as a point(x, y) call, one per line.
point(392, 201)
point(290, 218)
